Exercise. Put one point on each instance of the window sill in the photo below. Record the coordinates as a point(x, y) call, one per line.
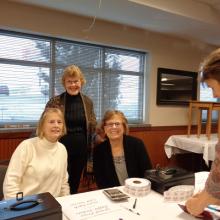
point(17, 130)
point(139, 125)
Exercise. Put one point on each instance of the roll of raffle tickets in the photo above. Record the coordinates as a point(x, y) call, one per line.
point(178, 193)
point(137, 186)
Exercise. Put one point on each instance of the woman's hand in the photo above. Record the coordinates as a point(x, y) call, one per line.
point(196, 204)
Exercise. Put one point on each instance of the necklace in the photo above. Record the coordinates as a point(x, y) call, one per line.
point(119, 159)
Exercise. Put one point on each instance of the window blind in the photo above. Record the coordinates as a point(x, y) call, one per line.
point(23, 90)
point(31, 68)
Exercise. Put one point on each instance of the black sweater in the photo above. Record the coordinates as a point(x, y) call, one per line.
point(136, 159)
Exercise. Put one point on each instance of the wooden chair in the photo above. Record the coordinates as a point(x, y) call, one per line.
point(200, 106)
point(3, 169)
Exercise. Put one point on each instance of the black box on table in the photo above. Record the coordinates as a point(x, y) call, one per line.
point(162, 179)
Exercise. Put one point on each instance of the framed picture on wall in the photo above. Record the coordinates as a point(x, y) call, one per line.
point(176, 87)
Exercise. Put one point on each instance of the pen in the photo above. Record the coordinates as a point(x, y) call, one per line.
point(130, 210)
point(214, 208)
point(135, 202)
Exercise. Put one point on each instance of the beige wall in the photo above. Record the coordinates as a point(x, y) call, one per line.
point(164, 51)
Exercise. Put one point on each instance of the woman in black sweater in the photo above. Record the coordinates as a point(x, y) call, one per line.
point(120, 156)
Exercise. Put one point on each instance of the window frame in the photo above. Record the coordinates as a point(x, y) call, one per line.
point(52, 65)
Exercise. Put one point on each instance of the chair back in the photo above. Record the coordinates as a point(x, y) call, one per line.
point(3, 169)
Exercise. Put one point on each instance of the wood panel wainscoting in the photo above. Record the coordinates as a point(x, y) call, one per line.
point(154, 139)
point(9, 141)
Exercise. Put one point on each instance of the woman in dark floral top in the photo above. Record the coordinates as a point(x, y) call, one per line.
point(210, 70)
point(80, 122)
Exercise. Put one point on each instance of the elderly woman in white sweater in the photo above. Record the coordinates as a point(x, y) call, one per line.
point(39, 164)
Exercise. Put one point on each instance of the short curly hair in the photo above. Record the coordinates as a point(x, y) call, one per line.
point(73, 71)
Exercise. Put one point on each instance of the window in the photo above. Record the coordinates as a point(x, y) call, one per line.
point(206, 95)
point(31, 67)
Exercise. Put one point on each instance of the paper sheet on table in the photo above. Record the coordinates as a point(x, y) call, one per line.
point(200, 179)
point(93, 208)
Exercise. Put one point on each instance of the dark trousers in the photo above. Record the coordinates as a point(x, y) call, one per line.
point(77, 157)
point(75, 168)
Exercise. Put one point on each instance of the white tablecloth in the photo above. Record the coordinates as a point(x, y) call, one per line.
point(150, 207)
point(181, 143)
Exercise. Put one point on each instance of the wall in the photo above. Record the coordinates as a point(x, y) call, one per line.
point(153, 138)
point(165, 51)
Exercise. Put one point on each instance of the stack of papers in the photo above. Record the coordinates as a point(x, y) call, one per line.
point(92, 207)
point(200, 180)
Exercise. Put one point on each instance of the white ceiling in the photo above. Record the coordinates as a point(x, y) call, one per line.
point(194, 19)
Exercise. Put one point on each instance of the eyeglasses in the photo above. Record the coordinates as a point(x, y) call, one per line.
point(73, 82)
point(111, 125)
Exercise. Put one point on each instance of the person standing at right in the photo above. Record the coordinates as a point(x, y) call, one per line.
point(210, 70)
point(80, 122)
